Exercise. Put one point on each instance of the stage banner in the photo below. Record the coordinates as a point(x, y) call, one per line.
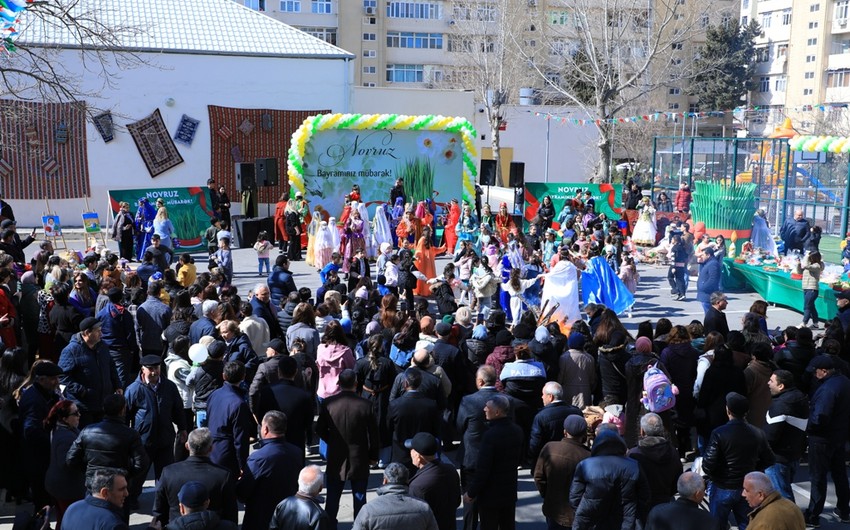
point(189, 210)
point(608, 198)
point(430, 162)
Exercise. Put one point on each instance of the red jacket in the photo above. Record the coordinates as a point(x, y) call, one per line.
point(682, 200)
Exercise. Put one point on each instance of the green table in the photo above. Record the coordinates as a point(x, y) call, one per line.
point(776, 288)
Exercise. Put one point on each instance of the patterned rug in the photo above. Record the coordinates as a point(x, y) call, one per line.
point(248, 134)
point(155, 144)
point(33, 164)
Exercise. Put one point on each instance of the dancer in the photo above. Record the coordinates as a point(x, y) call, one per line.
point(352, 238)
point(424, 259)
point(293, 231)
point(645, 231)
point(383, 233)
point(312, 229)
point(452, 218)
point(144, 226)
point(323, 247)
point(409, 229)
point(504, 223)
point(466, 227)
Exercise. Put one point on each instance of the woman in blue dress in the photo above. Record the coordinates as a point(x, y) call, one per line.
point(467, 227)
point(144, 226)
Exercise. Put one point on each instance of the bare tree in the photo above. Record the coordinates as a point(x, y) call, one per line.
point(484, 57)
point(607, 56)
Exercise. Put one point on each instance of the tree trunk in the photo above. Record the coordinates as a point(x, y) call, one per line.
point(494, 145)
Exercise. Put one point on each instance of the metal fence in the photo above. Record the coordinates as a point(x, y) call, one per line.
point(786, 180)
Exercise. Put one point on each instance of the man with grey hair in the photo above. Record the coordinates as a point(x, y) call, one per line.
point(263, 308)
point(658, 460)
point(302, 511)
point(794, 231)
point(103, 508)
point(548, 424)
point(395, 508)
point(198, 467)
point(684, 512)
point(715, 318)
point(204, 326)
point(771, 511)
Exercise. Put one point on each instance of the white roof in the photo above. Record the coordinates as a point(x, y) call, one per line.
point(179, 26)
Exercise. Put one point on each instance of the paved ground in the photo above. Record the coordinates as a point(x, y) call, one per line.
point(654, 302)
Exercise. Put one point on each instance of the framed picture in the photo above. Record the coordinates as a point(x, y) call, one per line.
point(51, 225)
point(91, 222)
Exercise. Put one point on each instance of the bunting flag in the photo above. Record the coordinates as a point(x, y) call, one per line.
point(667, 116)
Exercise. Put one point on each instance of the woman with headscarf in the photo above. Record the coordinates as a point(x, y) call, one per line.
point(504, 222)
point(383, 233)
point(333, 228)
point(293, 231)
point(467, 227)
point(452, 218)
point(487, 216)
point(352, 237)
point(312, 230)
point(409, 229)
point(144, 226)
point(761, 236)
point(323, 246)
point(425, 261)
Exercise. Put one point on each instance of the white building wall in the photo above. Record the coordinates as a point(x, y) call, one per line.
point(193, 82)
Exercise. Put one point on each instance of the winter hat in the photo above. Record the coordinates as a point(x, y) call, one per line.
point(372, 328)
point(542, 335)
point(463, 316)
point(576, 341)
point(575, 425)
point(643, 345)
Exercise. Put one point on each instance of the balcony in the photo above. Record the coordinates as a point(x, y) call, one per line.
point(837, 95)
point(840, 25)
point(838, 61)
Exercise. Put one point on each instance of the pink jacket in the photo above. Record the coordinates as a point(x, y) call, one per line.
point(331, 360)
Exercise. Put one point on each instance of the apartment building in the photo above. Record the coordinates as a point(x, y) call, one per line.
point(803, 60)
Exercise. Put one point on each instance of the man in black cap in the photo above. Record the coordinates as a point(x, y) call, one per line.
point(734, 450)
point(36, 402)
point(154, 406)
point(194, 510)
point(88, 373)
point(119, 334)
point(829, 418)
point(436, 482)
point(555, 468)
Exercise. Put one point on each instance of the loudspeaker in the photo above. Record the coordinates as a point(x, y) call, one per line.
point(517, 174)
point(266, 171)
point(245, 177)
point(487, 173)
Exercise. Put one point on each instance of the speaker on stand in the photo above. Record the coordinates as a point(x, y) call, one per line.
point(487, 175)
point(517, 182)
point(245, 177)
point(267, 176)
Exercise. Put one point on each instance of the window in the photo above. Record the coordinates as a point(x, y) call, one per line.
point(786, 17)
point(745, 20)
point(369, 84)
point(673, 106)
point(814, 8)
point(677, 46)
point(561, 47)
point(559, 18)
point(811, 42)
point(726, 19)
point(813, 25)
point(745, 4)
point(370, 54)
point(841, 46)
point(403, 39)
point(765, 20)
point(674, 91)
point(704, 21)
point(290, 6)
point(405, 73)
point(780, 83)
point(370, 4)
point(369, 21)
point(842, 9)
point(809, 75)
point(425, 10)
point(808, 91)
point(370, 70)
point(810, 58)
point(321, 6)
point(762, 54)
point(693, 107)
point(370, 36)
point(838, 78)
point(764, 84)
point(326, 34)
point(781, 50)
point(256, 5)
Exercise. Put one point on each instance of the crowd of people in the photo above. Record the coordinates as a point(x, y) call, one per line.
point(451, 383)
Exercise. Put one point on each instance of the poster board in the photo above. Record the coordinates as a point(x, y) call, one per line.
point(91, 222)
point(608, 198)
point(52, 226)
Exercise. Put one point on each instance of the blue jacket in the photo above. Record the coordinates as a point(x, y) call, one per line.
point(268, 312)
point(33, 408)
point(794, 233)
point(152, 413)
point(272, 476)
point(93, 513)
point(708, 280)
point(231, 424)
point(201, 328)
point(240, 350)
point(280, 285)
point(828, 412)
point(119, 330)
point(89, 375)
point(153, 316)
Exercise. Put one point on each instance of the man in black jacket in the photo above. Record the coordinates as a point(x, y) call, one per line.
point(684, 512)
point(302, 511)
point(195, 513)
point(715, 318)
point(785, 429)
point(548, 424)
point(734, 450)
point(494, 485)
point(658, 460)
point(436, 482)
point(431, 386)
point(829, 419)
point(285, 396)
point(36, 402)
point(264, 309)
point(412, 413)
point(216, 479)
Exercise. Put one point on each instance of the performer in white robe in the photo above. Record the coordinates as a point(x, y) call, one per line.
point(371, 249)
point(561, 289)
point(382, 233)
point(335, 237)
point(761, 236)
point(323, 247)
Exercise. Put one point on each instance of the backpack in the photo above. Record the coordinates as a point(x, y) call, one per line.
point(406, 279)
point(659, 393)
